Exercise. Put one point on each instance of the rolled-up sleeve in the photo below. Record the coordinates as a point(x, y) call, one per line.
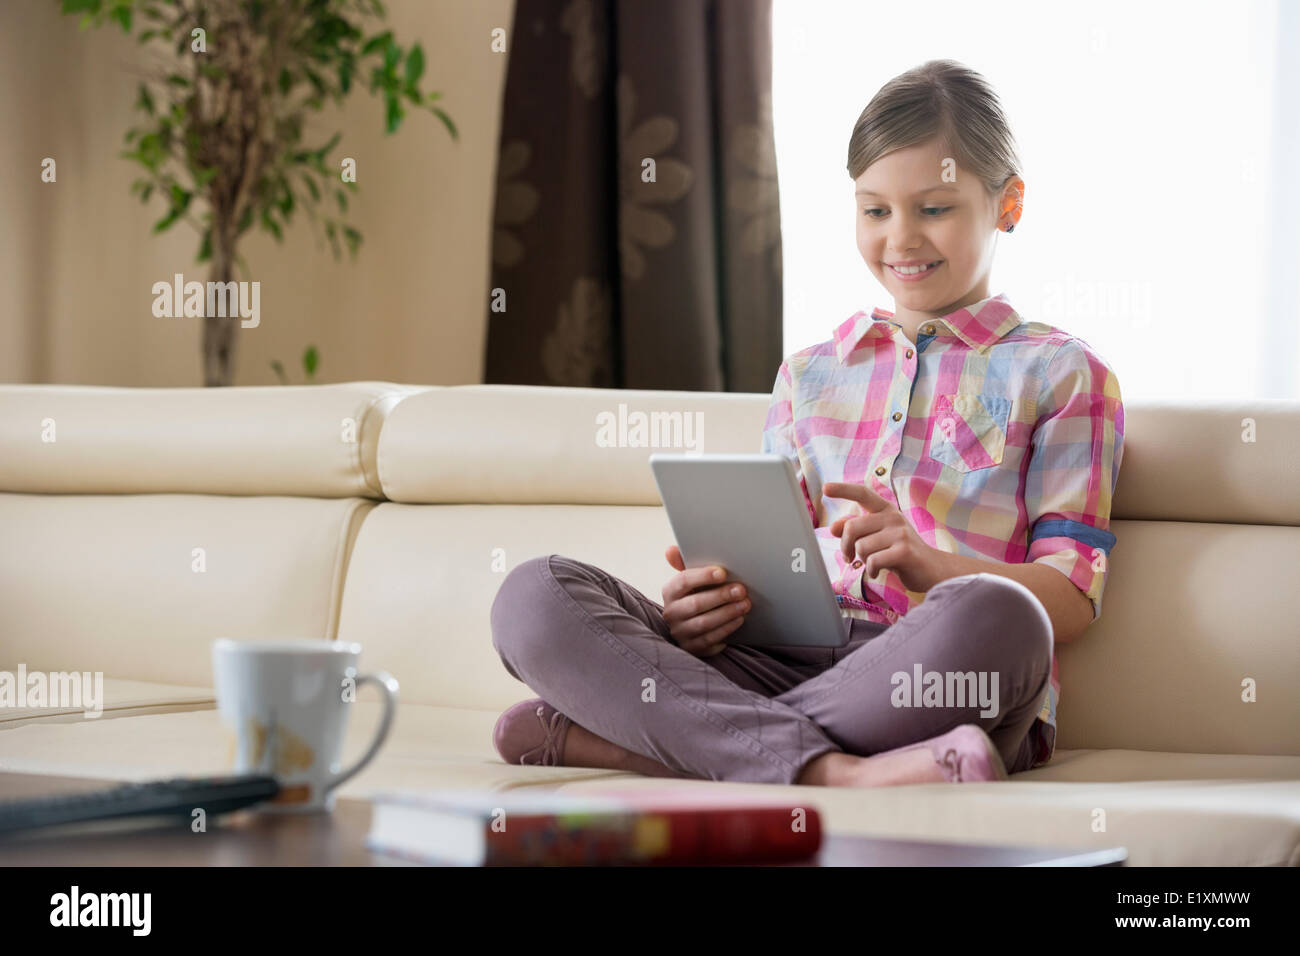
point(1075, 454)
point(779, 434)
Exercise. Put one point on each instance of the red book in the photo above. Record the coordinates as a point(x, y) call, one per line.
point(645, 826)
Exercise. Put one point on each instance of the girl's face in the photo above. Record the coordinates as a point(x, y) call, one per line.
point(909, 211)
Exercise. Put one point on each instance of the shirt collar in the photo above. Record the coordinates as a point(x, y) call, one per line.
point(979, 325)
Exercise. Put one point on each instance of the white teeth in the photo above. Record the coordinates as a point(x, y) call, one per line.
point(911, 270)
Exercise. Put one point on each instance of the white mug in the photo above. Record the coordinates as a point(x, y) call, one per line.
point(286, 703)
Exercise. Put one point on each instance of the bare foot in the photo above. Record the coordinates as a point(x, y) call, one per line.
point(882, 770)
point(582, 748)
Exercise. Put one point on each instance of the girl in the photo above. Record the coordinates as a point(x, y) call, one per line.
point(958, 463)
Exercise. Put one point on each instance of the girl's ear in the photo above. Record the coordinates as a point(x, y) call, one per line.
point(1013, 202)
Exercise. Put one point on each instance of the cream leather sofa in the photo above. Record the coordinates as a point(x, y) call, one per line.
point(389, 515)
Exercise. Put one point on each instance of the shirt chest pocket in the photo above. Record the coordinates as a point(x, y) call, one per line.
point(969, 430)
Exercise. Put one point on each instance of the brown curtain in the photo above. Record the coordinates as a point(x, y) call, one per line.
point(637, 237)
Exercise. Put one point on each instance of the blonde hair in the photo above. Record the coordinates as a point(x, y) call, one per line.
point(943, 99)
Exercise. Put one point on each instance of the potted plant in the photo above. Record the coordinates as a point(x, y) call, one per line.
point(221, 139)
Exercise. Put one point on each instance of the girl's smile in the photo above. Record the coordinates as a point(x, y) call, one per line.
point(913, 273)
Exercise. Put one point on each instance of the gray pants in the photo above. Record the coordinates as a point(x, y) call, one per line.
point(598, 650)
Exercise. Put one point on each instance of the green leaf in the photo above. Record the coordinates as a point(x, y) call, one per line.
point(81, 6)
point(310, 359)
point(144, 101)
point(414, 65)
point(285, 202)
point(123, 16)
point(334, 141)
point(272, 226)
point(377, 41)
point(286, 80)
point(205, 248)
point(311, 187)
point(314, 79)
point(204, 176)
point(342, 198)
point(147, 35)
point(180, 198)
point(149, 152)
point(394, 113)
point(446, 121)
point(353, 238)
point(166, 221)
point(278, 369)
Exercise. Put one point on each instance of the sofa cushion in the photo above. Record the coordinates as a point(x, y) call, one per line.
point(110, 583)
point(121, 698)
point(277, 440)
point(427, 746)
point(1167, 809)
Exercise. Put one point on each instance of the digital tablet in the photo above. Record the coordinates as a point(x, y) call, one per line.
point(746, 514)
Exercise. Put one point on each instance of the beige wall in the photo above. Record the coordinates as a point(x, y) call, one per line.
point(77, 259)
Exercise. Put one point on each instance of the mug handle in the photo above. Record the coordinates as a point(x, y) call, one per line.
point(385, 682)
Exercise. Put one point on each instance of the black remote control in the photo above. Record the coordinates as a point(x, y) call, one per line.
point(175, 798)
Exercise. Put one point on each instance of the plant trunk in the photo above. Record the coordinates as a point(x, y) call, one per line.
point(219, 331)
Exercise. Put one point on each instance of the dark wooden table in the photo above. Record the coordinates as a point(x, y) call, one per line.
point(249, 838)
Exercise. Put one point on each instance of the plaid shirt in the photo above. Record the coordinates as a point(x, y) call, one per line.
point(995, 437)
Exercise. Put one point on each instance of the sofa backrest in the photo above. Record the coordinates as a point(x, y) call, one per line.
point(1200, 599)
point(400, 539)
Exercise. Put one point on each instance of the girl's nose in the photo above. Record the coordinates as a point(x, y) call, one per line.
point(904, 234)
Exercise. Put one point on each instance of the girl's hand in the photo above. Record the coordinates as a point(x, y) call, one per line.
point(882, 538)
point(700, 612)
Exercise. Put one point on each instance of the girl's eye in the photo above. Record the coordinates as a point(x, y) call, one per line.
point(936, 210)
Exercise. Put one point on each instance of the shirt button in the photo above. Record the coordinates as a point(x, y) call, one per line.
point(907, 354)
point(928, 330)
point(880, 470)
point(898, 416)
